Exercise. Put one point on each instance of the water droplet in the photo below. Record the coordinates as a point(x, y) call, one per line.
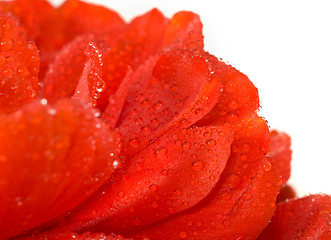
point(233, 180)
point(266, 165)
point(179, 192)
point(211, 143)
point(182, 235)
point(262, 194)
point(164, 172)
point(226, 223)
point(245, 147)
point(154, 204)
point(233, 104)
point(146, 129)
point(134, 143)
point(121, 194)
point(246, 196)
point(225, 195)
point(153, 187)
point(6, 44)
point(197, 132)
point(161, 151)
point(207, 134)
point(186, 146)
point(94, 212)
point(154, 122)
point(43, 101)
point(198, 165)
point(145, 103)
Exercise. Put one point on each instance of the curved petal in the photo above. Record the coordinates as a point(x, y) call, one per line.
point(19, 66)
point(143, 39)
point(184, 30)
point(189, 91)
point(174, 173)
point(90, 84)
point(281, 153)
point(71, 235)
point(64, 73)
point(301, 219)
point(52, 158)
point(286, 193)
point(244, 196)
point(239, 97)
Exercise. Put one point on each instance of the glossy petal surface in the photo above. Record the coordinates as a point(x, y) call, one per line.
point(70, 235)
point(19, 66)
point(281, 153)
point(239, 97)
point(90, 84)
point(189, 91)
point(52, 158)
point(172, 174)
point(142, 40)
point(301, 219)
point(286, 193)
point(242, 202)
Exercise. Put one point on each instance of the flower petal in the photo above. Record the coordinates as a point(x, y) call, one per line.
point(70, 235)
point(51, 159)
point(34, 15)
point(143, 39)
point(90, 84)
point(184, 30)
point(244, 196)
point(281, 153)
point(19, 66)
point(189, 91)
point(286, 192)
point(239, 97)
point(77, 17)
point(62, 77)
point(305, 218)
point(174, 173)
point(117, 100)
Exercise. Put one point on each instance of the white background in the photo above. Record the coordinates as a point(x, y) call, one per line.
point(285, 49)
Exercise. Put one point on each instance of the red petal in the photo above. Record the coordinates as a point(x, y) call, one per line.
point(38, 18)
point(184, 31)
point(244, 196)
point(281, 153)
point(90, 84)
point(239, 97)
point(77, 17)
point(286, 192)
point(74, 18)
point(189, 91)
point(19, 66)
point(62, 78)
point(116, 101)
point(71, 235)
point(69, 152)
point(33, 14)
point(143, 39)
point(151, 187)
point(301, 219)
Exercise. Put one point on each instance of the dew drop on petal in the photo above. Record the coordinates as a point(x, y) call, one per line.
point(197, 165)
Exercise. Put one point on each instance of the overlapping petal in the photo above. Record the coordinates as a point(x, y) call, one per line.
point(174, 173)
point(305, 218)
point(52, 158)
point(244, 196)
point(19, 66)
point(195, 161)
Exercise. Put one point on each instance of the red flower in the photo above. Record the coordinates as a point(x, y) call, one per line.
point(131, 129)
